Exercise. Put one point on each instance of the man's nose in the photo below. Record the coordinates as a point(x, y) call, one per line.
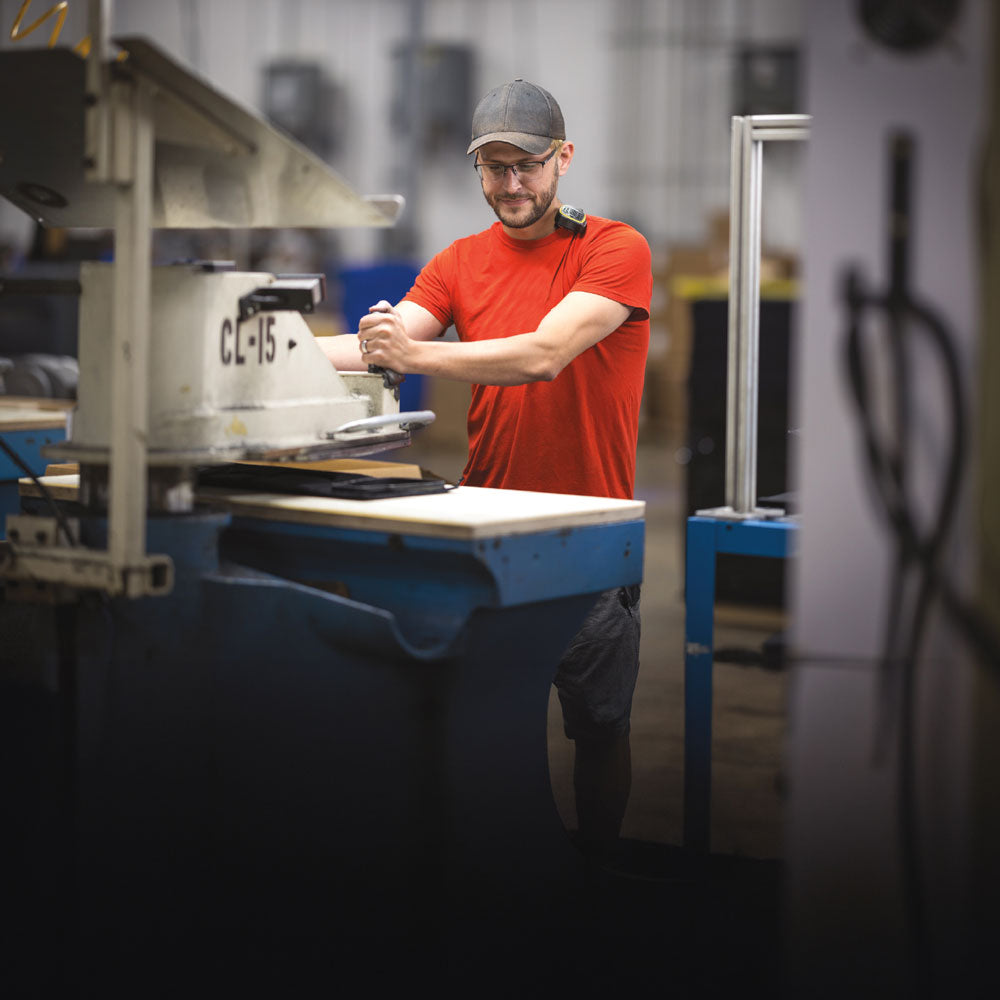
point(511, 181)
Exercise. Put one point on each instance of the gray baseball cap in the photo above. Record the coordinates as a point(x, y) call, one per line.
point(523, 114)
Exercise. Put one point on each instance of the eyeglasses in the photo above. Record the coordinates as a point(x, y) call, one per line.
point(526, 171)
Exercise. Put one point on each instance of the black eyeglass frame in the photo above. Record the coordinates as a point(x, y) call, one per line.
point(512, 167)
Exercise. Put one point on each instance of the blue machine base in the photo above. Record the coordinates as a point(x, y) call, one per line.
point(266, 765)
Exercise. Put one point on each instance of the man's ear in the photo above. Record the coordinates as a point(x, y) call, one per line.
point(565, 157)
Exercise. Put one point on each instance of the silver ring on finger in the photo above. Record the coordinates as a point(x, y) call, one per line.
point(364, 346)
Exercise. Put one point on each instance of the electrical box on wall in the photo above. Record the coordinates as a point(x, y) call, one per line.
point(438, 78)
point(766, 80)
point(301, 100)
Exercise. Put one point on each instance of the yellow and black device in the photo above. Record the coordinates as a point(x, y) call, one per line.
point(573, 219)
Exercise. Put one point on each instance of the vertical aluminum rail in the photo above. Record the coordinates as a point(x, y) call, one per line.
point(749, 132)
point(744, 306)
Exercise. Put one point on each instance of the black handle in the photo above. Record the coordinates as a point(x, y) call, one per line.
point(390, 378)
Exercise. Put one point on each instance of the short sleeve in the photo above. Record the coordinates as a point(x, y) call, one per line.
point(432, 288)
point(618, 265)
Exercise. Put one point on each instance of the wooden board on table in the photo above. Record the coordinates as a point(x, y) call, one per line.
point(24, 413)
point(467, 512)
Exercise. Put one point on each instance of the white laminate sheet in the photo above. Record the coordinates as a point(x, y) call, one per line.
point(464, 512)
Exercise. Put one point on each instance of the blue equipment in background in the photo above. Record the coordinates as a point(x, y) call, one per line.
point(361, 287)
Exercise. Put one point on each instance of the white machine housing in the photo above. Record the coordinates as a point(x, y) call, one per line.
point(220, 388)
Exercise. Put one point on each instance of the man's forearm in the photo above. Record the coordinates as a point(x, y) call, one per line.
point(505, 361)
point(344, 352)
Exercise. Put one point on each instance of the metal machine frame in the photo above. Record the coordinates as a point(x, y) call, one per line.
point(739, 527)
point(126, 108)
point(749, 133)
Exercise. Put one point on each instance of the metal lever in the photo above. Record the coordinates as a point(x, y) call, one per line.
point(295, 293)
point(415, 418)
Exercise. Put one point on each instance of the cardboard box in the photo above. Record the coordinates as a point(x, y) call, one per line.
point(449, 401)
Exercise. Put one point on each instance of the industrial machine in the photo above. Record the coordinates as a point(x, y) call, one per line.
point(246, 724)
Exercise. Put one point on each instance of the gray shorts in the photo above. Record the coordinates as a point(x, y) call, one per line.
point(596, 676)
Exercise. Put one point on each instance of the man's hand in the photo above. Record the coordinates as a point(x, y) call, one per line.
point(383, 338)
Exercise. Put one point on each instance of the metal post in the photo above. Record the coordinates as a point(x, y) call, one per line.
point(744, 309)
point(119, 149)
point(133, 132)
point(748, 333)
point(745, 187)
point(737, 127)
point(97, 105)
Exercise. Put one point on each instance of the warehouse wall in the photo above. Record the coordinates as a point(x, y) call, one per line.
point(644, 85)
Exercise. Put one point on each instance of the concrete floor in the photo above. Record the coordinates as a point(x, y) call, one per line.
point(749, 701)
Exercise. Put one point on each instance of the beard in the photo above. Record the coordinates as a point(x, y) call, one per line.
point(524, 215)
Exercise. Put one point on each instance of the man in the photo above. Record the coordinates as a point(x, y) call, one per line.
point(552, 318)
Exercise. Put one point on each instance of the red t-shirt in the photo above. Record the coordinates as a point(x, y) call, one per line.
point(577, 433)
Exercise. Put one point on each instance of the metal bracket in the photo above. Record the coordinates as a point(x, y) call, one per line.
point(753, 514)
point(36, 566)
point(300, 293)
